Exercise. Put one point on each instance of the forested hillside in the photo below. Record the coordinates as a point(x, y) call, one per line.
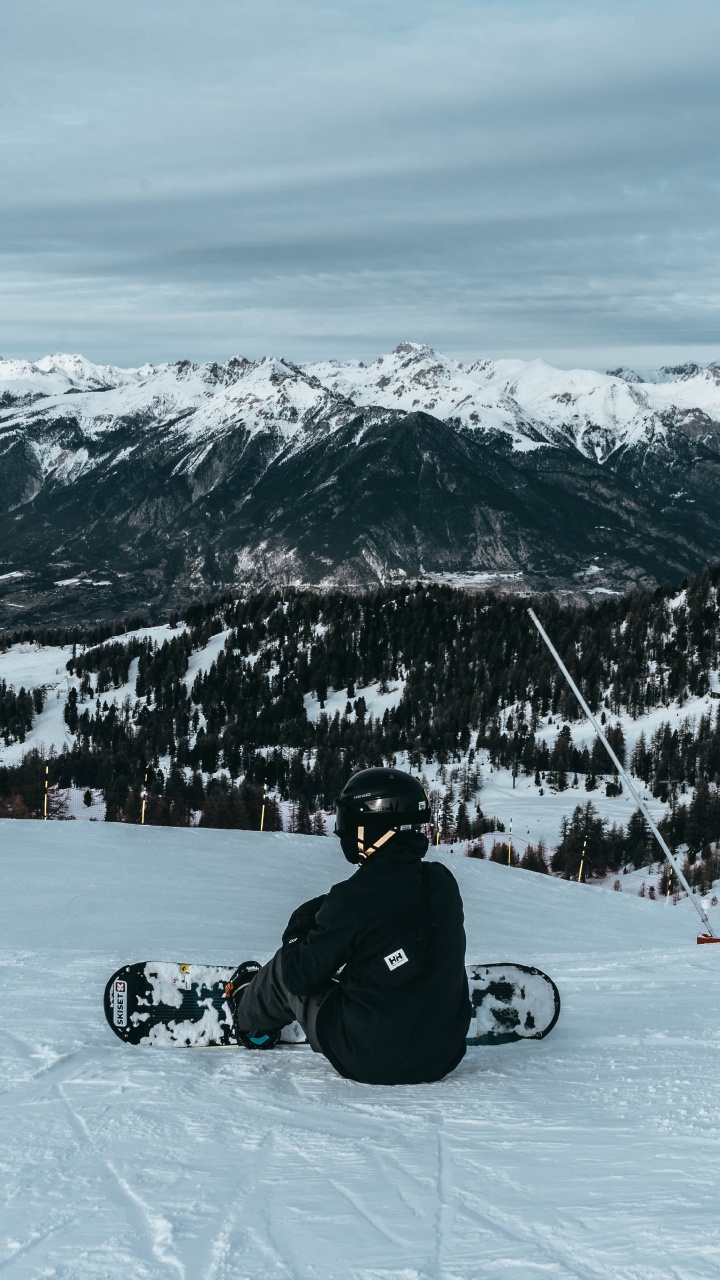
point(294, 690)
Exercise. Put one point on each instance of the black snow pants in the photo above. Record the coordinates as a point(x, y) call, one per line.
point(266, 1004)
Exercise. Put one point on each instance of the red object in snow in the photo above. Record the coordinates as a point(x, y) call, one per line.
point(705, 937)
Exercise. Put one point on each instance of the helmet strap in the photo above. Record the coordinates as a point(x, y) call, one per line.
point(364, 853)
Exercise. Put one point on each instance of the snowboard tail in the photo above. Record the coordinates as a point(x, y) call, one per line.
point(510, 1002)
point(167, 1004)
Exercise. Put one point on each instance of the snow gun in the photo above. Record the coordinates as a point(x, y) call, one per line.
point(707, 935)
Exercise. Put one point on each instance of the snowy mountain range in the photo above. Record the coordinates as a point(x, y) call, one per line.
point(148, 487)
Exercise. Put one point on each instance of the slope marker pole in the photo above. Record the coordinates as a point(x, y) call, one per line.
point(582, 859)
point(709, 935)
point(510, 845)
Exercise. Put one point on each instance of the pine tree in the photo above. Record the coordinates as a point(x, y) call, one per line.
point(224, 807)
point(499, 853)
point(273, 815)
point(586, 830)
point(476, 850)
point(318, 827)
point(463, 829)
point(535, 858)
point(303, 822)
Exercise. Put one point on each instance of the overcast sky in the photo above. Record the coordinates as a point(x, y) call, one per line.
point(202, 178)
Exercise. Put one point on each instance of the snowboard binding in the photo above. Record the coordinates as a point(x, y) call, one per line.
point(239, 980)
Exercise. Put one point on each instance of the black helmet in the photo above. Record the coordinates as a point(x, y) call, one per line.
point(376, 802)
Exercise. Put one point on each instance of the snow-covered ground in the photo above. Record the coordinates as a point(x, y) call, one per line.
point(33, 666)
point(673, 714)
point(537, 817)
point(592, 1155)
point(202, 660)
point(376, 703)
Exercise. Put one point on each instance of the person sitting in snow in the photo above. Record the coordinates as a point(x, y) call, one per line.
point(373, 970)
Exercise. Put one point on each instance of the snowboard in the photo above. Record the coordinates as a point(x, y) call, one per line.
point(167, 1004)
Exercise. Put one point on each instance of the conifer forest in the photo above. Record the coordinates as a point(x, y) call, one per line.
point(473, 683)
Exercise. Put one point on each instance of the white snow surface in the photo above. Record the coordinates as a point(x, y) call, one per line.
point(200, 662)
point(591, 1155)
point(530, 401)
point(538, 817)
point(32, 666)
point(376, 703)
point(59, 374)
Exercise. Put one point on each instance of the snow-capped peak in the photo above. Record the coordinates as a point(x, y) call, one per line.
point(83, 372)
point(531, 403)
point(58, 374)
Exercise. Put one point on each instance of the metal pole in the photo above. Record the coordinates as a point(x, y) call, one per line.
point(625, 776)
point(510, 844)
point(262, 811)
point(45, 798)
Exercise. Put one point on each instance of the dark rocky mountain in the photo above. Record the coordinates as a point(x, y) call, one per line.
point(145, 489)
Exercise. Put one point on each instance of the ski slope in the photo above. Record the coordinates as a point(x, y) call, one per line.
point(590, 1155)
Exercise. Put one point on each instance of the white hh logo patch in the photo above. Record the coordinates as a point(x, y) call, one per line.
point(395, 959)
point(120, 1002)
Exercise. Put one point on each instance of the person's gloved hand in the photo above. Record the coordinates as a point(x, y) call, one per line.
point(302, 919)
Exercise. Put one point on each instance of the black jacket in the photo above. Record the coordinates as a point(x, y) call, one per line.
point(400, 1011)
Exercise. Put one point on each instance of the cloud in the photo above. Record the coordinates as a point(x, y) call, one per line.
point(530, 178)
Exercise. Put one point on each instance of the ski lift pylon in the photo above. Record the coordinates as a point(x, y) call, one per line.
point(707, 935)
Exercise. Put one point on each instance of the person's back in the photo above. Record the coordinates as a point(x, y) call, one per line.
point(399, 1010)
